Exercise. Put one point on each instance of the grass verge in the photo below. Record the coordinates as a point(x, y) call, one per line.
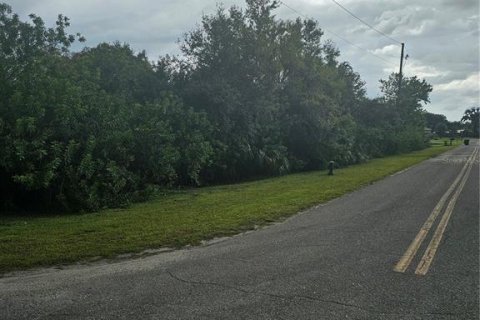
point(182, 218)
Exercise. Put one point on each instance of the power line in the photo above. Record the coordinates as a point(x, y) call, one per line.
point(294, 10)
point(365, 23)
point(335, 34)
point(358, 47)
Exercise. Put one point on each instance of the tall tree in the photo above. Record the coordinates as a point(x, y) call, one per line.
point(472, 118)
point(33, 85)
point(432, 120)
point(407, 103)
point(232, 73)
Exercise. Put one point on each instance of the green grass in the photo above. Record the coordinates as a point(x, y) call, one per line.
point(441, 141)
point(182, 218)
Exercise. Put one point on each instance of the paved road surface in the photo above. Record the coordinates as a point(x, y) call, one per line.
point(352, 258)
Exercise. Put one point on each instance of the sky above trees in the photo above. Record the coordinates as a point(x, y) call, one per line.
point(441, 37)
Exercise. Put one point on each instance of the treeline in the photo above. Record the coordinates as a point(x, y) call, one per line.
point(250, 96)
point(440, 127)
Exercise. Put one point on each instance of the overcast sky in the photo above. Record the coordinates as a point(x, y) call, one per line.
point(441, 36)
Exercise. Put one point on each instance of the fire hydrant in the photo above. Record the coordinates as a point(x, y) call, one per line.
point(331, 164)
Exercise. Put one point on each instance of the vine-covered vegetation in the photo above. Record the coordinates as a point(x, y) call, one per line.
point(250, 96)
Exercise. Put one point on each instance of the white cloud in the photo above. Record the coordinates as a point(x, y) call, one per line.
point(469, 84)
point(388, 51)
point(421, 70)
point(454, 97)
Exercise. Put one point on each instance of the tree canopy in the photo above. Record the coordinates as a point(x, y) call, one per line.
point(471, 118)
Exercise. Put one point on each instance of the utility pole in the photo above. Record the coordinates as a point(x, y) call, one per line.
point(401, 67)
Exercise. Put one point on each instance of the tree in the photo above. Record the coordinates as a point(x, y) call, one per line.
point(33, 60)
point(88, 130)
point(407, 105)
point(231, 71)
point(121, 72)
point(471, 118)
point(274, 92)
point(432, 120)
point(412, 95)
point(441, 129)
point(455, 127)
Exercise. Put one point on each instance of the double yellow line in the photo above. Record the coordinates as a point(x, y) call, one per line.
point(429, 254)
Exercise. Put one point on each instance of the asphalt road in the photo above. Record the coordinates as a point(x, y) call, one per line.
point(336, 261)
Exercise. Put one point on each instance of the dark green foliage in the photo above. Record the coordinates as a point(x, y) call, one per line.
point(471, 118)
point(88, 130)
point(433, 120)
point(275, 94)
point(441, 127)
point(456, 128)
point(393, 123)
point(252, 96)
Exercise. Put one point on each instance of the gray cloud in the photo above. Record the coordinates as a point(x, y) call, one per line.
point(461, 4)
point(441, 37)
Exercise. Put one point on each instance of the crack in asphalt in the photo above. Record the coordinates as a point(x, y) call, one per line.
point(306, 297)
point(278, 296)
point(205, 283)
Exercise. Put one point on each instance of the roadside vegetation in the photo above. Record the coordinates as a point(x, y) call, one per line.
point(251, 96)
point(183, 217)
point(441, 128)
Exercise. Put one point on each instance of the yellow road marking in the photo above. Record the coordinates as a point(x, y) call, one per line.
point(411, 251)
point(429, 254)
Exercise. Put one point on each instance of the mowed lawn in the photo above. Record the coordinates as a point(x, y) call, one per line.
point(183, 217)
